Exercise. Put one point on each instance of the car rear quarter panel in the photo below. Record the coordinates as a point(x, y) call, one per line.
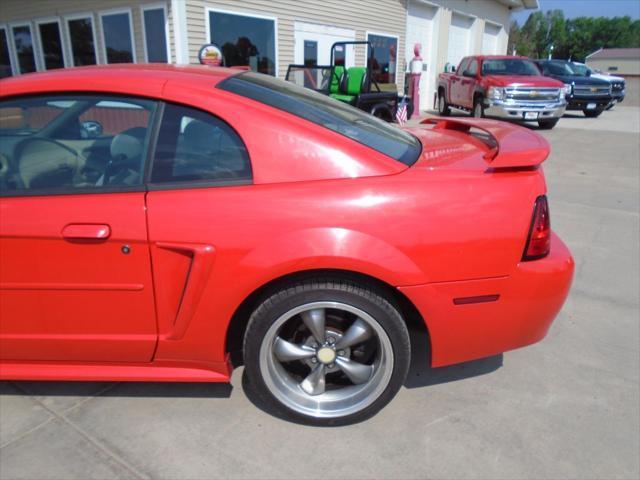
point(412, 228)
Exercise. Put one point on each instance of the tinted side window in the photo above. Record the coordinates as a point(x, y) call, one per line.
point(64, 143)
point(463, 66)
point(194, 146)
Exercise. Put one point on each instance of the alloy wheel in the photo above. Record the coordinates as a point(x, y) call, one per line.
point(326, 359)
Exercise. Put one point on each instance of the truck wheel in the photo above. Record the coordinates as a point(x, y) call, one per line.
point(478, 107)
point(592, 113)
point(443, 107)
point(548, 124)
point(326, 352)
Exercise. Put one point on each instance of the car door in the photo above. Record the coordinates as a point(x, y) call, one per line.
point(456, 83)
point(468, 83)
point(75, 269)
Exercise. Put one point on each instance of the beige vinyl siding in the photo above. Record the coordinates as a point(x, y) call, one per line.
point(379, 16)
point(16, 11)
point(622, 66)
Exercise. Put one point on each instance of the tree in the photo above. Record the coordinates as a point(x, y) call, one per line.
point(571, 38)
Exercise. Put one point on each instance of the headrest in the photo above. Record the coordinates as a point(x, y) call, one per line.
point(199, 134)
point(128, 144)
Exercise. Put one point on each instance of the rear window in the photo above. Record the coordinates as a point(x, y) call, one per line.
point(326, 112)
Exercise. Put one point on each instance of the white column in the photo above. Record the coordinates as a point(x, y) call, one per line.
point(180, 40)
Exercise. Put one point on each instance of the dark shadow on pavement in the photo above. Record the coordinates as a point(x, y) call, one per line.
point(421, 374)
point(120, 389)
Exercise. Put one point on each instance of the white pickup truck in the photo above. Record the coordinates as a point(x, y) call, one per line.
point(618, 86)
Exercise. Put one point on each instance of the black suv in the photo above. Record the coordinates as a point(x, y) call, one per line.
point(590, 95)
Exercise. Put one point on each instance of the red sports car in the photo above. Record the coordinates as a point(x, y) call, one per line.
point(158, 222)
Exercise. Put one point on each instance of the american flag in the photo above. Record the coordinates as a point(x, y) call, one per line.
point(401, 111)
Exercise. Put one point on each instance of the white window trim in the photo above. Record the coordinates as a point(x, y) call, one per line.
point(208, 10)
point(81, 16)
point(13, 50)
point(390, 35)
point(12, 62)
point(117, 11)
point(155, 6)
point(44, 21)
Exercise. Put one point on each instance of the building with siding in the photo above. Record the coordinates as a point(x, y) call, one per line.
point(616, 61)
point(266, 35)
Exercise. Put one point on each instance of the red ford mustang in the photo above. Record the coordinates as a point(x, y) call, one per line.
point(155, 220)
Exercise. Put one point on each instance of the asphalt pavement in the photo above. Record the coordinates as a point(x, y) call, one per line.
point(568, 407)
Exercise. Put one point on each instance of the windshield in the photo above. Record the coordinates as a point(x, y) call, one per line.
point(559, 68)
point(581, 70)
point(328, 113)
point(509, 66)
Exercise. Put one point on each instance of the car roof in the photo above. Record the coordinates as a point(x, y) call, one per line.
point(500, 57)
point(142, 79)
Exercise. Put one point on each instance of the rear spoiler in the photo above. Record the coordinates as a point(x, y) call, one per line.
point(510, 146)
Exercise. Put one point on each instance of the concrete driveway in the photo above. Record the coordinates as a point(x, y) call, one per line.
point(568, 407)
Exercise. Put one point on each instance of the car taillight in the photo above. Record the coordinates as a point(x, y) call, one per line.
point(539, 241)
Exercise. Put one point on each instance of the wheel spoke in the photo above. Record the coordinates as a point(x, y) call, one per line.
point(315, 321)
point(287, 351)
point(357, 333)
point(357, 372)
point(314, 383)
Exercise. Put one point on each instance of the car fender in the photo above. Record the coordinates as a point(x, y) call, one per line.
point(330, 248)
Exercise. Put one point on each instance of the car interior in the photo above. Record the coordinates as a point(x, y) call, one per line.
point(98, 142)
point(44, 142)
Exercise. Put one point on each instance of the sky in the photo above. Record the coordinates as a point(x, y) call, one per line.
point(586, 8)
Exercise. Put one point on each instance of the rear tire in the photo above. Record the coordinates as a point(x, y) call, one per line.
point(326, 334)
point(443, 107)
point(548, 124)
point(478, 108)
point(592, 113)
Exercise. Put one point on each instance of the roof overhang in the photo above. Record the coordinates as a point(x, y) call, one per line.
point(521, 4)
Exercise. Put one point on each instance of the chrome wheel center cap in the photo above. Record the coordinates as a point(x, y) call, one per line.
point(326, 355)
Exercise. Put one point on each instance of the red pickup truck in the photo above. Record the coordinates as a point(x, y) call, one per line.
point(501, 86)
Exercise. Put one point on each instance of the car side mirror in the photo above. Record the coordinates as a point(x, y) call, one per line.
point(453, 69)
point(90, 129)
point(588, 73)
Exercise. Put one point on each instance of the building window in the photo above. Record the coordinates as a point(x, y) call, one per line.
point(117, 34)
point(245, 40)
point(385, 51)
point(154, 26)
point(23, 42)
point(310, 53)
point(5, 59)
point(51, 44)
point(81, 37)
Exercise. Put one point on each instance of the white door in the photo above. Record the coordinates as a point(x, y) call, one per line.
point(421, 26)
point(320, 38)
point(459, 38)
point(490, 39)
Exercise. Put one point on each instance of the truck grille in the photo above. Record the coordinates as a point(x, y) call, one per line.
point(533, 94)
point(591, 90)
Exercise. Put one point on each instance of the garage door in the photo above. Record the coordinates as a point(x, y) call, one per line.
point(420, 29)
point(490, 39)
point(459, 38)
point(313, 43)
